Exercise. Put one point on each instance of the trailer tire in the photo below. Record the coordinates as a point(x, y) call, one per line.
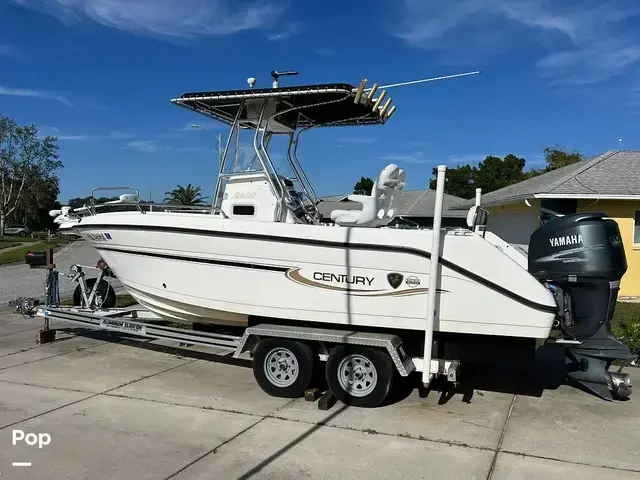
point(360, 376)
point(282, 367)
point(104, 289)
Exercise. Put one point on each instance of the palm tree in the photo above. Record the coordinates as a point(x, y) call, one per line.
point(185, 196)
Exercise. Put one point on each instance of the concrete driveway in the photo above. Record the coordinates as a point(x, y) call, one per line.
point(136, 409)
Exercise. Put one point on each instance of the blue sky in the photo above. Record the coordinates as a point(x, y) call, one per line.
point(99, 74)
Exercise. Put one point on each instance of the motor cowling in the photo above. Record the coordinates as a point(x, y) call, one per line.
point(581, 245)
point(581, 257)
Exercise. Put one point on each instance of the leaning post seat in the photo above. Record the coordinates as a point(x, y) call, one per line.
point(376, 208)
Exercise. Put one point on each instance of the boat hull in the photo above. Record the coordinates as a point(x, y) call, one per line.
point(196, 268)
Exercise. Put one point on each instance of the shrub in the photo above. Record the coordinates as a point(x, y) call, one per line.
point(629, 333)
point(626, 325)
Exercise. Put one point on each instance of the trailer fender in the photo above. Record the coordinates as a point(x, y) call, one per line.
point(386, 341)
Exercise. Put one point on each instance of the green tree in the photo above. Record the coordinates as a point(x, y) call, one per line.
point(491, 174)
point(81, 202)
point(459, 181)
point(555, 158)
point(559, 157)
point(188, 195)
point(25, 162)
point(494, 173)
point(39, 199)
point(363, 187)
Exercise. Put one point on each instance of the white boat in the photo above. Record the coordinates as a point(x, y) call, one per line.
point(261, 252)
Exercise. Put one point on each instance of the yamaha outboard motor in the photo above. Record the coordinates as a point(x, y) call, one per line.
point(581, 259)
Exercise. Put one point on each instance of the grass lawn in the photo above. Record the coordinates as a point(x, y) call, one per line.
point(122, 301)
point(4, 244)
point(18, 254)
point(16, 239)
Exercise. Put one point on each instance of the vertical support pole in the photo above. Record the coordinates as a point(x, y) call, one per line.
point(433, 276)
point(52, 298)
point(219, 153)
point(478, 195)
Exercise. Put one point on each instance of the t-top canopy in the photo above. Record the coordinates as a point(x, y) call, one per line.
point(336, 104)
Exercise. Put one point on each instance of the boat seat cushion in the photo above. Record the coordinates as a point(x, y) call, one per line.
point(344, 217)
point(376, 208)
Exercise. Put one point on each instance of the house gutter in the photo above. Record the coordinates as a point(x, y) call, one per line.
point(585, 196)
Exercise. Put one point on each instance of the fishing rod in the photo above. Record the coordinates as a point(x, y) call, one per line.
point(366, 95)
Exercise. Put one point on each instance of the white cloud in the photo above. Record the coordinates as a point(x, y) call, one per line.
point(416, 157)
point(71, 137)
point(200, 127)
point(192, 148)
point(146, 146)
point(288, 32)
point(468, 158)
point(117, 135)
point(585, 41)
point(357, 140)
point(27, 92)
point(163, 18)
point(634, 101)
point(65, 136)
point(325, 52)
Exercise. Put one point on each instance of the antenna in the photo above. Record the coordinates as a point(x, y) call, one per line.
point(424, 80)
point(276, 74)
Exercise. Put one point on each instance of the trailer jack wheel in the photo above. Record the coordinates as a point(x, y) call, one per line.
point(360, 376)
point(282, 367)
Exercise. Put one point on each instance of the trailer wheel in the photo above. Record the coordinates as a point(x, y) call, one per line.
point(360, 376)
point(283, 368)
point(105, 290)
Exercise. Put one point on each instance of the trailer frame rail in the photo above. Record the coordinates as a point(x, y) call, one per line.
point(128, 321)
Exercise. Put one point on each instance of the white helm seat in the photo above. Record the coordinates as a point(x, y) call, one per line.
point(376, 208)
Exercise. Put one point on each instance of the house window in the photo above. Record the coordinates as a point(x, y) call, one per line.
point(247, 210)
point(636, 228)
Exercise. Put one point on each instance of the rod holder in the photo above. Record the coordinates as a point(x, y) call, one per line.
point(372, 92)
point(391, 111)
point(385, 107)
point(360, 90)
point(379, 100)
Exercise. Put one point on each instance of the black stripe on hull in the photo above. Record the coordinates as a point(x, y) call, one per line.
point(328, 244)
point(209, 261)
